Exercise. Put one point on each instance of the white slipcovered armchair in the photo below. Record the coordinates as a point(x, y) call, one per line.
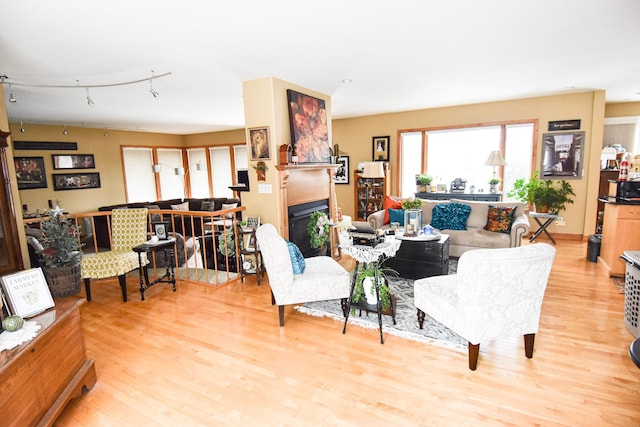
point(323, 278)
point(495, 293)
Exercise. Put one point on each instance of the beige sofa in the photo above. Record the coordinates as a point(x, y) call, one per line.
point(475, 236)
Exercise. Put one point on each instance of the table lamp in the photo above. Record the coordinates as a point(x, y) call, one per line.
point(495, 159)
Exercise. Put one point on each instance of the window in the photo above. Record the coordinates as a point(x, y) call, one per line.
point(461, 153)
point(176, 178)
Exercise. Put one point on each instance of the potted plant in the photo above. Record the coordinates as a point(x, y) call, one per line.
point(547, 195)
point(61, 256)
point(493, 185)
point(424, 183)
point(318, 229)
point(364, 289)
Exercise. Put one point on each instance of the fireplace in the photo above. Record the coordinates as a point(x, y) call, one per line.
point(299, 216)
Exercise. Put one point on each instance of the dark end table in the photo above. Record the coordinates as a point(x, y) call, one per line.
point(417, 258)
point(150, 247)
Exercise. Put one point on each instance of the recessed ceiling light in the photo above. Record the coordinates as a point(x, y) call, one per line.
point(346, 81)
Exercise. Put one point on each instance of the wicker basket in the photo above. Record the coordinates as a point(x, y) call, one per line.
point(64, 281)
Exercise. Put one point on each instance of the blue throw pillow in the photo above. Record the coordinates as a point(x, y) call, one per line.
point(297, 260)
point(450, 216)
point(396, 215)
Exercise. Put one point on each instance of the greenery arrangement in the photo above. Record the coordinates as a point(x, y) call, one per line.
point(494, 181)
point(226, 242)
point(261, 166)
point(411, 203)
point(60, 242)
point(383, 288)
point(547, 195)
point(318, 229)
point(424, 179)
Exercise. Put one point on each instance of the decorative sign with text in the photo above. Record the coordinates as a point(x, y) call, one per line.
point(564, 125)
point(27, 292)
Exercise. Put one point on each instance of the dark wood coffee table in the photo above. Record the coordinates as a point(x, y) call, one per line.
point(417, 258)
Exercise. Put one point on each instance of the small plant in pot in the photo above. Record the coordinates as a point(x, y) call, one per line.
point(364, 290)
point(547, 195)
point(411, 203)
point(61, 256)
point(424, 182)
point(493, 185)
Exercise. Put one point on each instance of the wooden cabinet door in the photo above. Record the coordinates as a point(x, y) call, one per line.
point(10, 255)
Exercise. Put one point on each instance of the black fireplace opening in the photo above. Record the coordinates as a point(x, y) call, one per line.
point(299, 217)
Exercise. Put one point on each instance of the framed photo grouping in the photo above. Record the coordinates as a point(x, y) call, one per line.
point(75, 181)
point(380, 148)
point(30, 172)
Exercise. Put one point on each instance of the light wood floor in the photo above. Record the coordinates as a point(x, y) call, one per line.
point(216, 356)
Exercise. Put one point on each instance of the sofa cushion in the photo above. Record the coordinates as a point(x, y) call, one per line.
point(499, 219)
point(181, 206)
point(427, 209)
point(478, 215)
point(297, 260)
point(450, 216)
point(396, 215)
point(229, 206)
point(391, 202)
point(154, 217)
point(208, 205)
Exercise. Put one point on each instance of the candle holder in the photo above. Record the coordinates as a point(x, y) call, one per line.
point(412, 221)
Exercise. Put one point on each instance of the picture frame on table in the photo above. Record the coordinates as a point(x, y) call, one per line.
point(30, 172)
point(259, 142)
point(562, 155)
point(342, 174)
point(309, 131)
point(160, 229)
point(253, 223)
point(27, 292)
point(75, 181)
point(73, 161)
point(380, 148)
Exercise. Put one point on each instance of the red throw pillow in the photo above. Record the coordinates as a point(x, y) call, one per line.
point(389, 203)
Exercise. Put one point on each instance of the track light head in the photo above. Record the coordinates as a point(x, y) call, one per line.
point(65, 131)
point(21, 127)
point(89, 100)
point(11, 97)
point(154, 92)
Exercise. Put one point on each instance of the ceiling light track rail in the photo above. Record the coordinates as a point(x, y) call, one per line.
point(5, 80)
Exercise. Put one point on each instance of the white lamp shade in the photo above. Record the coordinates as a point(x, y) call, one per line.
point(373, 170)
point(495, 159)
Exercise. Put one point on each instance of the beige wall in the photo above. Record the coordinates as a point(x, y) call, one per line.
point(354, 136)
point(265, 104)
point(232, 137)
point(622, 109)
point(108, 159)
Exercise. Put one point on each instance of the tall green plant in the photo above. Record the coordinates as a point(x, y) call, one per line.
point(554, 195)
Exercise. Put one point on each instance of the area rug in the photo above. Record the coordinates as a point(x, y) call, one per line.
point(406, 319)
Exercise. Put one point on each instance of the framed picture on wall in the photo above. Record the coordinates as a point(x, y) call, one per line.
point(259, 142)
point(75, 161)
point(75, 181)
point(30, 172)
point(309, 132)
point(380, 148)
point(562, 155)
point(342, 174)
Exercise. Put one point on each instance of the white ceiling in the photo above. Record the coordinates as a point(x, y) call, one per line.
point(402, 55)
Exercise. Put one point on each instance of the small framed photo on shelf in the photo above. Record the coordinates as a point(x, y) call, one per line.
point(160, 229)
point(253, 223)
point(380, 148)
point(27, 292)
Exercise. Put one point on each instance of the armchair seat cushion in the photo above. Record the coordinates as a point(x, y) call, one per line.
point(109, 264)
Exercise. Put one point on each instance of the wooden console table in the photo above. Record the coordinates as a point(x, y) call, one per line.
point(476, 197)
point(41, 376)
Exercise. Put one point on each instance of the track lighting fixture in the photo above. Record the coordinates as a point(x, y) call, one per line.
point(65, 131)
point(89, 100)
point(11, 97)
point(106, 133)
point(154, 92)
point(21, 127)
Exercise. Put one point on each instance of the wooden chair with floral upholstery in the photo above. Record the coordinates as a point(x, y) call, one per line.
point(128, 229)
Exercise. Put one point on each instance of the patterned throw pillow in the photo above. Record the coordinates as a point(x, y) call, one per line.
point(297, 260)
point(396, 215)
point(450, 216)
point(500, 219)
